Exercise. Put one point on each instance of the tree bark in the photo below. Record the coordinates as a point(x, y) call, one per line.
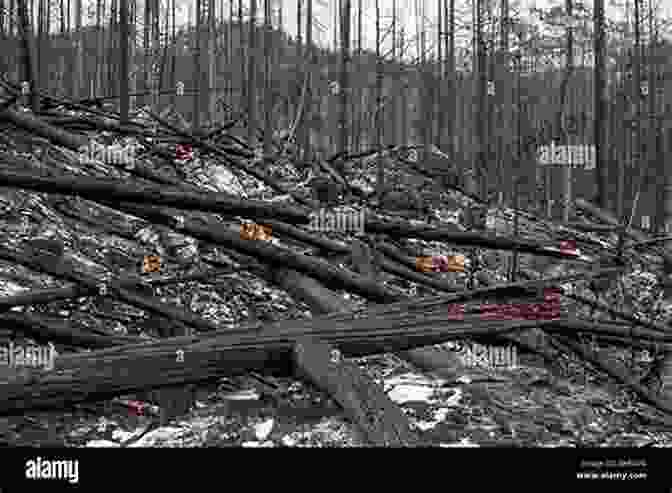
point(102, 374)
point(252, 78)
point(599, 123)
point(31, 74)
point(124, 60)
point(268, 77)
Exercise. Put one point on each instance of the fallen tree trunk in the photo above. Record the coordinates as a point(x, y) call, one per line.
point(325, 272)
point(66, 271)
point(139, 169)
point(596, 228)
point(322, 300)
point(410, 275)
point(48, 329)
point(608, 218)
point(623, 314)
point(615, 369)
point(611, 329)
point(382, 422)
point(451, 234)
point(95, 188)
point(338, 247)
point(226, 154)
point(102, 374)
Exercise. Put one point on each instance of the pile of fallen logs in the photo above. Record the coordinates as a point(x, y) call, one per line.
point(122, 199)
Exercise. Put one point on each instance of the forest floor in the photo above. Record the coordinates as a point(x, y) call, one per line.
point(463, 405)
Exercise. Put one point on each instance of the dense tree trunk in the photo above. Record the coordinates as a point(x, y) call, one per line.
point(124, 40)
point(252, 77)
point(599, 124)
point(451, 86)
point(507, 175)
point(268, 92)
point(310, 57)
point(30, 74)
point(210, 63)
point(198, 67)
point(380, 180)
point(345, 19)
point(480, 85)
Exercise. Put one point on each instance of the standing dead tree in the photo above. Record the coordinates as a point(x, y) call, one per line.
point(29, 54)
point(345, 18)
point(252, 77)
point(124, 58)
point(599, 123)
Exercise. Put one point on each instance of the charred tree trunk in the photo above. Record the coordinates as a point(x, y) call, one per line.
point(123, 79)
point(252, 78)
point(380, 181)
point(599, 124)
point(344, 89)
point(198, 61)
point(268, 92)
point(29, 54)
point(480, 106)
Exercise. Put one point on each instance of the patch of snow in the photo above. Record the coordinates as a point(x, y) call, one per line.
point(288, 441)
point(158, 435)
point(263, 429)
point(257, 444)
point(243, 395)
point(102, 444)
point(8, 288)
point(122, 436)
point(465, 442)
point(410, 388)
point(225, 181)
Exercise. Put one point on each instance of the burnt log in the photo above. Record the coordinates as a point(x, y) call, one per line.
point(103, 374)
point(324, 271)
point(50, 329)
point(451, 234)
point(382, 422)
point(96, 188)
point(65, 270)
